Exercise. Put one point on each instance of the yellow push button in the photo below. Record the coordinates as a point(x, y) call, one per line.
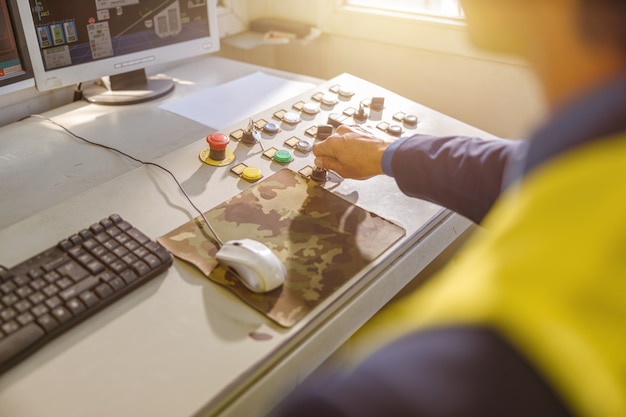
point(251, 174)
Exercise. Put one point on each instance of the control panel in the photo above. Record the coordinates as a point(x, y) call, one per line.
point(287, 134)
point(283, 135)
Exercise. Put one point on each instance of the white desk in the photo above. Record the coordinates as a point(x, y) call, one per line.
point(180, 345)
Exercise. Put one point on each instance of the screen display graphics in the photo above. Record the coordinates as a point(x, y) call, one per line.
point(74, 32)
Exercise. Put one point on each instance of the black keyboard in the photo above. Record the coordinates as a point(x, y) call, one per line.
point(56, 289)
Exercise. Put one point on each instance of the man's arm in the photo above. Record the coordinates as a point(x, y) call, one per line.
point(463, 174)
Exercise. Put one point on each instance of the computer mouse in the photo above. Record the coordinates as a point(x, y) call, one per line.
point(255, 264)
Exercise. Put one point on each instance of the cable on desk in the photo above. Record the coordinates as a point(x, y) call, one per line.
point(109, 148)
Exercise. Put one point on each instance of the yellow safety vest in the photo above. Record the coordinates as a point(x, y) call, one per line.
point(548, 272)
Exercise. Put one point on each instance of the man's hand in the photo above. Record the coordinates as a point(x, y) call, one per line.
point(351, 152)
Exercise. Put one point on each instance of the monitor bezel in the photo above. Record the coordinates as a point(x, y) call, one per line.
point(25, 79)
point(94, 70)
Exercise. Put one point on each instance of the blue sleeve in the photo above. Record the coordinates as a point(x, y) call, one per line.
point(463, 174)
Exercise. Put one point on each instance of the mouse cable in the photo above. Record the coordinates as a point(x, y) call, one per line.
point(74, 135)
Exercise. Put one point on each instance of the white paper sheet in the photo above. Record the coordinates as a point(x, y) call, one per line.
point(228, 103)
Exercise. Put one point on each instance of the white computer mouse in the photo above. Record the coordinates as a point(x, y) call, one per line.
point(254, 263)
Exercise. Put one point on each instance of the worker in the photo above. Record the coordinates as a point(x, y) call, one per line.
point(529, 320)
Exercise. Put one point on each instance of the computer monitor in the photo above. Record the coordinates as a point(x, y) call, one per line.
point(74, 41)
point(15, 68)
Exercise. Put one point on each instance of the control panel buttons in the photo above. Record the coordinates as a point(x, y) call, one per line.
point(291, 118)
point(410, 120)
point(345, 92)
point(304, 146)
point(336, 119)
point(319, 175)
point(377, 103)
point(361, 114)
point(251, 174)
point(329, 99)
point(217, 154)
point(395, 130)
point(271, 128)
point(323, 131)
point(251, 135)
point(217, 141)
point(282, 156)
point(311, 108)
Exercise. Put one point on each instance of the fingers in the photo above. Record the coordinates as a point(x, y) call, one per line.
point(327, 163)
point(339, 141)
point(354, 130)
point(343, 129)
point(351, 152)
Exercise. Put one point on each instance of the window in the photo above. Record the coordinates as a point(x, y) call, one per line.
point(445, 8)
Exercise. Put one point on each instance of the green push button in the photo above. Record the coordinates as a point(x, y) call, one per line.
point(282, 156)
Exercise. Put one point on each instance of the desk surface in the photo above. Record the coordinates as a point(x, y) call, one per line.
point(181, 345)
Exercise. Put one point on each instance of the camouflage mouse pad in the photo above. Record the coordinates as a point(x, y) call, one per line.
point(322, 239)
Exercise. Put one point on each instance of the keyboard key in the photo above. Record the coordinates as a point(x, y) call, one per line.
point(40, 310)
point(117, 284)
point(75, 306)
point(53, 302)
point(128, 276)
point(79, 288)
point(25, 318)
point(47, 322)
point(89, 298)
point(19, 341)
point(103, 291)
point(73, 271)
point(54, 264)
point(62, 314)
point(10, 327)
point(96, 228)
point(8, 287)
point(138, 236)
point(5, 275)
point(35, 273)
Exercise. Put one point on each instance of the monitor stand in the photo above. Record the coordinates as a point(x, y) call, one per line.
point(128, 88)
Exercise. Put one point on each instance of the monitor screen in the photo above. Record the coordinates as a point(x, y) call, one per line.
point(73, 41)
point(14, 60)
